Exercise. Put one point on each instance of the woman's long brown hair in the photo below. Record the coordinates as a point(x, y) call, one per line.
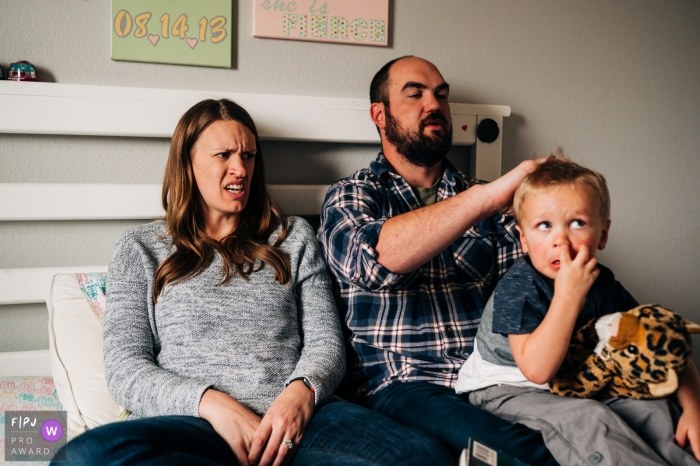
point(245, 250)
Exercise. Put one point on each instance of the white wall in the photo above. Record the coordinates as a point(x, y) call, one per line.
point(617, 83)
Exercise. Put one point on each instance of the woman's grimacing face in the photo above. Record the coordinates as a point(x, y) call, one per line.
point(223, 160)
point(563, 215)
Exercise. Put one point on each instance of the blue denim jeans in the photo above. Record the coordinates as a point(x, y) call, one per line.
point(340, 433)
point(444, 414)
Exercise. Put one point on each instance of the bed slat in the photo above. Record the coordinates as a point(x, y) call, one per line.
point(23, 363)
point(55, 201)
point(31, 285)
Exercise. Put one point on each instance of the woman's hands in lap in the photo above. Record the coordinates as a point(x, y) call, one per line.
point(259, 441)
point(231, 420)
point(286, 419)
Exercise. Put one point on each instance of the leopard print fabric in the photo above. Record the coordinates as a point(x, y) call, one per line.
point(625, 367)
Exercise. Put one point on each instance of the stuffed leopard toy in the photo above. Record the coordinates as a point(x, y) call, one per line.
point(633, 354)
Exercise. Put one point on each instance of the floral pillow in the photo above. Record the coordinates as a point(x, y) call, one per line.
point(94, 288)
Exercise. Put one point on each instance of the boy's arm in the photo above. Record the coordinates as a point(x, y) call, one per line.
point(688, 428)
point(540, 353)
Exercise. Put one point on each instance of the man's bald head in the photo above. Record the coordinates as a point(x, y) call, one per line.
point(379, 89)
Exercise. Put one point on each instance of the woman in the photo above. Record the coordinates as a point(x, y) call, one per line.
point(221, 335)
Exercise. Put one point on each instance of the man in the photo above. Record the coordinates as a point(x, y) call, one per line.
point(415, 250)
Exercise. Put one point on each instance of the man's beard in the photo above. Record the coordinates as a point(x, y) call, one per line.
point(417, 148)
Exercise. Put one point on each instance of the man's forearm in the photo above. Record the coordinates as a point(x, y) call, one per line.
point(409, 240)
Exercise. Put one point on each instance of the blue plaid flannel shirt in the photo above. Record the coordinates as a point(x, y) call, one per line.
point(419, 325)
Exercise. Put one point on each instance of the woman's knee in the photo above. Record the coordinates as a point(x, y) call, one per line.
point(86, 449)
point(143, 440)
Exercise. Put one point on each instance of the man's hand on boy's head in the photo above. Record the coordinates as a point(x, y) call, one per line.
point(499, 193)
point(575, 276)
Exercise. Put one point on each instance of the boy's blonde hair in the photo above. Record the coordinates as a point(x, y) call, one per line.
point(559, 171)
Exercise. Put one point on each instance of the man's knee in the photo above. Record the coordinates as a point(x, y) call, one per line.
point(425, 449)
point(353, 430)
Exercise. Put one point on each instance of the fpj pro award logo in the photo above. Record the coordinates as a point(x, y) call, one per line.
point(35, 435)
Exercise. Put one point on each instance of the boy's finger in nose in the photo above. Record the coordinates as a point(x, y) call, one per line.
point(583, 253)
point(564, 253)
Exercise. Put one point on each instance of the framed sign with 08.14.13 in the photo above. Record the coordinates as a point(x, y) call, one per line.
point(181, 32)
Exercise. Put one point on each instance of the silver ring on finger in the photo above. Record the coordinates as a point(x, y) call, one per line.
point(289, 443)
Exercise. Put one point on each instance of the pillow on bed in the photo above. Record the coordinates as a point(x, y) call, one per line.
point(76, 310)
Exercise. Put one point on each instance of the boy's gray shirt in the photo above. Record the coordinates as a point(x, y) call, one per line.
point(493, 347)
point(245, 338)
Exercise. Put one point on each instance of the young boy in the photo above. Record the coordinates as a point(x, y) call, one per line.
point(562, 212)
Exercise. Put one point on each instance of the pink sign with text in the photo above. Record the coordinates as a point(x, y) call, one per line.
point(363, 22)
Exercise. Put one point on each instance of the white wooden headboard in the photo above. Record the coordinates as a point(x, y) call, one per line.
point(68, 109)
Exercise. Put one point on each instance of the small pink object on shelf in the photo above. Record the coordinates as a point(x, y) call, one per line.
point(21, 71)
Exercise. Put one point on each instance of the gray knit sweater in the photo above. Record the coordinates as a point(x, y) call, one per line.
point(245, 338)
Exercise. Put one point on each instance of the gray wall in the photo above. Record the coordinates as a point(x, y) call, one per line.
point(616, 83)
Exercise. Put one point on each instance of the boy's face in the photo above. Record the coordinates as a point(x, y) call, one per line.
point(567, 214)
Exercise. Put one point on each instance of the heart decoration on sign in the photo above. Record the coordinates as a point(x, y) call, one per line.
point(192, 42)
point(464, 127)
point(153, 39)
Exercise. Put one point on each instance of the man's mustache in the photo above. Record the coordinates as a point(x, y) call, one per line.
point(433, 118)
